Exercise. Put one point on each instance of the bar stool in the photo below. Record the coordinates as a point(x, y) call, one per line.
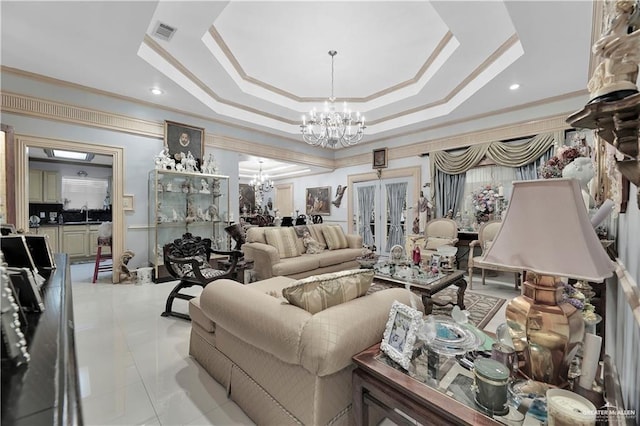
point(104, 262)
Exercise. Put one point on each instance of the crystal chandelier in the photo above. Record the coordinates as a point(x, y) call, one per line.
point(330, 127)
point(261, 183)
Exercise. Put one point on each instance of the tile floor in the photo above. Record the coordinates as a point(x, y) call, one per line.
point(134, 366)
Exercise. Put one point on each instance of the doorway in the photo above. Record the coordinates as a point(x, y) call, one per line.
point(23, 143)
point(388, 201)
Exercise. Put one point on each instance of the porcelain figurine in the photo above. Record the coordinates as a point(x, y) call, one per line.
point(204, 187)
point(616, 74)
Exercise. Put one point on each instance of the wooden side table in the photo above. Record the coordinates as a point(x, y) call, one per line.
point(402, 398)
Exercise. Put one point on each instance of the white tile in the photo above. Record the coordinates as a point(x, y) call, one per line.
point(226, 415)
point(126, 406)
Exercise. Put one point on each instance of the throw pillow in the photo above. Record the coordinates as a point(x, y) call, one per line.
point(316, 293)
point(434, 242)
point(335, 238)
point(284, 240)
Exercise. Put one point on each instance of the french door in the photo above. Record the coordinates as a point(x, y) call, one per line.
point(380, 211)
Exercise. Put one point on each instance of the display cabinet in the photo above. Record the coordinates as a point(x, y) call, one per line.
point(185, 202)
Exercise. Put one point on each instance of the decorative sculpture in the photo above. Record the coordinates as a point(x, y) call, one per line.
point(339, 193)
point(126, 276)
point(204, 186)
point(210, 166)
point(615, 77)
point(164, 162)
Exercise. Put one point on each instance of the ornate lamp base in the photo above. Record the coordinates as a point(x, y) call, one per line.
point(547, 330)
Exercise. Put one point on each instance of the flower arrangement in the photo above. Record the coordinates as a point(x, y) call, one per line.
point(576, 298)
point(564, 155)
point(484, 202)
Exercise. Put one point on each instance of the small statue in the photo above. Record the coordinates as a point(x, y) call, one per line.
point(210, 166)
point(216, 187)
point(339, 193)
point(125, 275)
point(176, 218)
point(191, 214)
point(204, 187)
point(190, 164)
point(200, 214)
point(616, 75)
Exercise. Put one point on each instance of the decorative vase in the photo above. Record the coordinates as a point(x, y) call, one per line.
point(545, 329)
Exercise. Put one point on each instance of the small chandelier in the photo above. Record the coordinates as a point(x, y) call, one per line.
point(330, 127)
point(261, 182)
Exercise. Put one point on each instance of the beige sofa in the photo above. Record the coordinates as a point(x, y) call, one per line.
point(279, 251)
point(280, 363)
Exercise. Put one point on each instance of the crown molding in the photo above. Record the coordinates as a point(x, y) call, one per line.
point(58, 111)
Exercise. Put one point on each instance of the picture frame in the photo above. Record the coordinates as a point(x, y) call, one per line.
point(380, 158)
point(127, 202)
point(182, 138)
point(318, 201)
point(400, 333)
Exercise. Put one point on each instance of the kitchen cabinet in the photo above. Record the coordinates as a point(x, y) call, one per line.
point(44, 186)
point(185, 202)
point(52, 233)
point(75, 241)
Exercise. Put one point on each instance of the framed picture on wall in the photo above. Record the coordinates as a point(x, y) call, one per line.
point(182, 139)
point(380, 158)
point(318, 201)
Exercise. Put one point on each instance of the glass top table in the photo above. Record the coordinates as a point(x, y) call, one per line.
point(423, 282)
point(435, 390)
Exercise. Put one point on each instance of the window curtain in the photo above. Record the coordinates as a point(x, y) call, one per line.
point(449, 192)
point(396, 201)
point(366, 196)
point(530, 171)
point(508, 154)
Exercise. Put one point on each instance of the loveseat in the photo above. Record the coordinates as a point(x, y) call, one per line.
point(280, 363)
point(280, 251)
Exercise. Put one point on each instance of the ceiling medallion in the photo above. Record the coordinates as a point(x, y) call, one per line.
point(330, 127)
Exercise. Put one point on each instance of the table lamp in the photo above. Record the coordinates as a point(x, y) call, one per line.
point(547, 233)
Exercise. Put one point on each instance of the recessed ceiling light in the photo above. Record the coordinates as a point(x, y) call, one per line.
point(69, 155)
point(514, 86)
point(156, 91)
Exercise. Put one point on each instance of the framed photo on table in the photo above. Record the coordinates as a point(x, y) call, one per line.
point(318, 201)
point(181, 139)
point(380, 158)
point(400, 333)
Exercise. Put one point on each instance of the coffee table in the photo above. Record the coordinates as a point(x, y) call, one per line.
point(404, 275)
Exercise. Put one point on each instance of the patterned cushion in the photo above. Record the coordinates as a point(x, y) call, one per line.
point(284, 240)
point(314, 294)
point(334, 235)
point(434, 242)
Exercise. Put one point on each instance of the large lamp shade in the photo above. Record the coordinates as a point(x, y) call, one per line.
point(547, 230)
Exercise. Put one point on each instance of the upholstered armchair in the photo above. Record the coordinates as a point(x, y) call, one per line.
point(486, 234)
point(437, 233)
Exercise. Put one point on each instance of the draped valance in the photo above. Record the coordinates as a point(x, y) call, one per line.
point(502, 153)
